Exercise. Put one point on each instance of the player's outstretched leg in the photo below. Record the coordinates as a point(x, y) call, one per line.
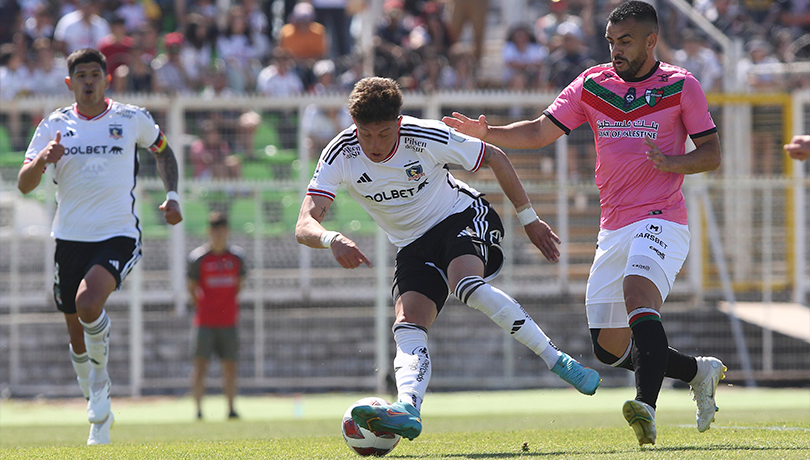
point(509, 315)
point(100, 432)
point(641, 417)
point(412, 369)
point(97, 341)
point(704, 386)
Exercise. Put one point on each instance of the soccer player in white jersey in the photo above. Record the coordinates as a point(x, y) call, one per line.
point(640, 111)
point(448, 237)
point(92, 146)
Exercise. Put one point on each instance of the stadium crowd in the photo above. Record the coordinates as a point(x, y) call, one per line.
point(194, 47)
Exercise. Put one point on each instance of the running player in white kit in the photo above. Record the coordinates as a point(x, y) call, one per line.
point(448, 237)
point(92, 146)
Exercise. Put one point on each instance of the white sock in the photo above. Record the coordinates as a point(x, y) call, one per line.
point(97, 341)
point(508, 314)
point(82, 366)
point(412, 367)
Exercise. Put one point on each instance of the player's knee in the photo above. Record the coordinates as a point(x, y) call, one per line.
point(601, 354)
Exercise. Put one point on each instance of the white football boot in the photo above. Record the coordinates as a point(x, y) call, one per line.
point(641, 417)
point(98, 406)
point(100, 432)
point(704, 386)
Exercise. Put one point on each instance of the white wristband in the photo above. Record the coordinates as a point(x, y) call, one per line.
point(172, 196)
point(327, 238)
point(527, 216)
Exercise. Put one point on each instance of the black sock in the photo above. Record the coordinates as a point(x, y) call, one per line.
point(650, 353)
point(681, 366)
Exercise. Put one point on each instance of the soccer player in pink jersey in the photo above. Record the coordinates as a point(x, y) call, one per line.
point(640, 111)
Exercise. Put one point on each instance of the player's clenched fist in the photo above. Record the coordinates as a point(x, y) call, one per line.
point(54, 150)
point(171, 212)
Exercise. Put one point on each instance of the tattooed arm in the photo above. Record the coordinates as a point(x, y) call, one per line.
point(310, 232)
point(167, 168)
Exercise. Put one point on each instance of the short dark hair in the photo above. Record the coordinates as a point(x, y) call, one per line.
point(86, 56)
point(217, 219)
point(640, 11)
point(375, 99)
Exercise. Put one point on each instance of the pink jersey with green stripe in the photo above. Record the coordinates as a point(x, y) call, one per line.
point(665, 105)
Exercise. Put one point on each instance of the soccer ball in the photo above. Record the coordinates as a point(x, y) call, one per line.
point(362, 441)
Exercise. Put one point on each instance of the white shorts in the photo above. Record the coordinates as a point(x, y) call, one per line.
point(652, 248)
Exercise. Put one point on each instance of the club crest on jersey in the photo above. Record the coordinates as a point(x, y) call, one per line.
point(653, 96)
point(414, 172)
point(116, 131)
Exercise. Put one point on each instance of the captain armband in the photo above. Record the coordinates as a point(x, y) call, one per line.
point(160, 144)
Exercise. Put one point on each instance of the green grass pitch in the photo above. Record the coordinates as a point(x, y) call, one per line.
point(532, 424)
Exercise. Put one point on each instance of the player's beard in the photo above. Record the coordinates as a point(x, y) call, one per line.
point(631, 67)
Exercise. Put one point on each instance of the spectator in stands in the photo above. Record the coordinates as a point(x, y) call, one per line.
point(258, 26)
point(432, 30)
point(302, 37)
point(198, 48)
point(40, 24)
point(82, 28)
point(546, 27)
point(278, 79)
point(428, 76)
point(332, 14)
point(169, 70)
point(459, 75)
point(473, 12)
point(147, 37)
point(761, 14)
point(795, 14)
point(211, 156)
point(207, 8)
point(698, 59)
point(216, 272)
point(49, 74)
point(321, 124)
point(522, 59)
point(325, 81)
point(137, 76)
point(9, 19)
point(352, 73)
point(115, 46)
point(134, 14)
point(565, 64)
point(15, 78)
point(217, 82)
point(235, 47)
point(246, 127)
point(759, 56)
point(392, 43)
point(727, 15)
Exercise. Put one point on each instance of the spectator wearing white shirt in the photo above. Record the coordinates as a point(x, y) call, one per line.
point(169, 71)
point(523, 59)
point(198, 48)
point(40, 24)
point(15, 77)
point(82, 28)
point(701, 61)
point(49, 74)
point(236, 47)
point(134, 14)
point(278, 79)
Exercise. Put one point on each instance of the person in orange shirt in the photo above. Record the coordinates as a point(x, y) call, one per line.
point(304, 38)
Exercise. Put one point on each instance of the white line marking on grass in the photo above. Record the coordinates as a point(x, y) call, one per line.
point(768, 428)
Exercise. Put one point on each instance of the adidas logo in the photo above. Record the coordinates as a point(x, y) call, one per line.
point(517, 325)
point(114, 263)
point(364, 179)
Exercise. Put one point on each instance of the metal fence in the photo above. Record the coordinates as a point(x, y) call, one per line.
point(307, 324)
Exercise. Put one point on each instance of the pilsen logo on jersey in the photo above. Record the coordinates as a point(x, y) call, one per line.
point(414, 171)
point(116, 131)
point(653, 95)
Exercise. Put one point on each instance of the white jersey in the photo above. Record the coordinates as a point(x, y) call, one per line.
point(95, 179)
point(409, 191)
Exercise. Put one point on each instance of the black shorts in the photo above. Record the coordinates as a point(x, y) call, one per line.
point(73, 259)
point(422, 265)
point(224, 341)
